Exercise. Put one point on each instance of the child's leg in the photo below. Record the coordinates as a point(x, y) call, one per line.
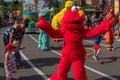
point(98, 51)
point(8, 75)
point(17, 56)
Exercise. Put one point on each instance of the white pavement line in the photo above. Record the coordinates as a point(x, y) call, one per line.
point(38, 42)
point(34, 38)
point(56, 52)
point(89, 68)
point(100, 73)
point(34, 67)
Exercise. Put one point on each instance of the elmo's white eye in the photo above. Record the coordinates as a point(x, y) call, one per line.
point(74, 8)
point(79, 8)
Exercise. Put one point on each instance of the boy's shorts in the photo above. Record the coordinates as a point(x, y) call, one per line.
point(96, 46)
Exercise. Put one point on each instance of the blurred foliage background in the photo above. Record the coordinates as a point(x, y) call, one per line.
point(6, 7)
point(17, 5)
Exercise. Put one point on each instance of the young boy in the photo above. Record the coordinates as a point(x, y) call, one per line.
point(97, 47)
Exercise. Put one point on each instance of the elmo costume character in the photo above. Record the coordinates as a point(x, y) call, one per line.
point(73, 32)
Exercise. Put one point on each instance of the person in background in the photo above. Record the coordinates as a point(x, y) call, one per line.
point(16, 32)
point(110, 34)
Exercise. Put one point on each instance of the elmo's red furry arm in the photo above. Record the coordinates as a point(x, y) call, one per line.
point(100, 29)
point(45, 26)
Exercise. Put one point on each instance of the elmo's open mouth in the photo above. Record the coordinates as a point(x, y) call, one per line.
point(77, 22)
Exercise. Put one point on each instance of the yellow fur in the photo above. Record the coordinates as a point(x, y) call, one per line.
point(56, 21)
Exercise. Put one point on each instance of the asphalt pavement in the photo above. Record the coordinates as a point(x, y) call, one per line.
point(40, 65)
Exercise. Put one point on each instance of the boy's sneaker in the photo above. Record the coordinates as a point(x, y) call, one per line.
point(95, 57)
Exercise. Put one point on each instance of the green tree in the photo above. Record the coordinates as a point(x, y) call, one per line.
point(10, 6)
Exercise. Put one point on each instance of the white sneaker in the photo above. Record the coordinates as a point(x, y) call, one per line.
point(95, 57)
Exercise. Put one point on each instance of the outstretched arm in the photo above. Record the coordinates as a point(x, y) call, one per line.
point(45, 26)
point(100, 29)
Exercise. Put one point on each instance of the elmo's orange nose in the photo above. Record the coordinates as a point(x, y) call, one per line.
point(81, 13)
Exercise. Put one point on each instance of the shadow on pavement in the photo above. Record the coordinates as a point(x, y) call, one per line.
point(1, 65)
point(88, 46)
point(104, 78)
point(33, 77)
point(39, 62)
point(57, 48)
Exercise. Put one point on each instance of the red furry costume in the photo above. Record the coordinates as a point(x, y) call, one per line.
point(110, 34)
point(73, 52)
